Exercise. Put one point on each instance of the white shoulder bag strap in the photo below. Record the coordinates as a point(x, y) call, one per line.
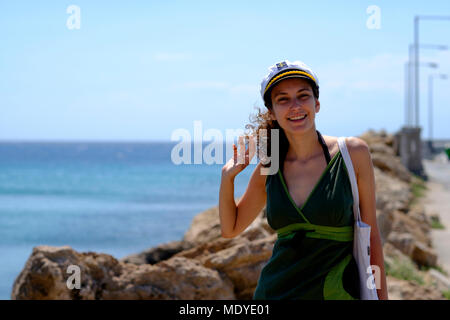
point(352, 176)
point(361, 244)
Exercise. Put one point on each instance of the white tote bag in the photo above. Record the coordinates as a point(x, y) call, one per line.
point(361, 243)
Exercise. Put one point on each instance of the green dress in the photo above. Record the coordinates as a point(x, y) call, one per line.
point(312, 258)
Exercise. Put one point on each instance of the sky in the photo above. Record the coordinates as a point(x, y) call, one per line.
point(140, 70)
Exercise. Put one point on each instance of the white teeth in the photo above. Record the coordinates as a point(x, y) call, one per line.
point(297, 118)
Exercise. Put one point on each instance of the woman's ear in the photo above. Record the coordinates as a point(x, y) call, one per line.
point(317, 106)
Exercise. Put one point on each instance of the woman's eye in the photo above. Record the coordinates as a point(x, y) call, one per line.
point(282, 99)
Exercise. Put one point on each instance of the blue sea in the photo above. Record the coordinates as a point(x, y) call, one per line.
point(115, 198)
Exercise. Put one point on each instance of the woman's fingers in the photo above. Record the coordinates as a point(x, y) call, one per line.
point(245, 150)
point(241, 153)
point(252, 147)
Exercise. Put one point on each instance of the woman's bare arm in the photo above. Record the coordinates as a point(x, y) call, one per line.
point(234, 219)
point(362, 161)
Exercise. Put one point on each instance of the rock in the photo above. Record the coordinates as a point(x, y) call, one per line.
point(174, 279)
point(240, 259)
point(157, 254)
point(372, 137)
point(408, 290)
point(423, 221)
point(403, 223)
point(391, 252)
point(380, 147)
point(104, 277)
point(402, 241)
point(391, 165)
point(400, 266)
point(205, 227)
point(380, 142)
point(217, 245)
point(391, 194)
point(242, 264)
point(45, 274)
point(416, 250)
point(383, 154)
point(384, 223)
point(423, 255)
point(441, 281)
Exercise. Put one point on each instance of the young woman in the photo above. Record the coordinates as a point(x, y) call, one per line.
point(308, 201)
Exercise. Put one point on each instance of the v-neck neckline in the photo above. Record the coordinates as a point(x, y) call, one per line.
point(300, 210)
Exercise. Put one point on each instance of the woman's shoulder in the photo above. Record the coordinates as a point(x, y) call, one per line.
point(357, 148)
point(359, 153)
point(354, 144)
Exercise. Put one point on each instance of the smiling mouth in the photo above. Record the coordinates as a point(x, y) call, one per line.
point(298, 118)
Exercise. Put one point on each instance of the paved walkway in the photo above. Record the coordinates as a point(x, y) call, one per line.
point(437, 200)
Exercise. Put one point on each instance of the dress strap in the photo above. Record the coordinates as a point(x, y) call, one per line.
point(324, 147)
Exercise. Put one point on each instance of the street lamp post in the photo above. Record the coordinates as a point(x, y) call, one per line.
point(430, 106)
point(416, 57)
point(409, 75)
point(408, 91)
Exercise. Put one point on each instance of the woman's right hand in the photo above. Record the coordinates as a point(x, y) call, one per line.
point(240, 159)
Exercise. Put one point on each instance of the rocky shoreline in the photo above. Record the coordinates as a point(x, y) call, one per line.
point(203, 265)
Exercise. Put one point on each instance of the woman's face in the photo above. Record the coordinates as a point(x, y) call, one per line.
point(292, 99)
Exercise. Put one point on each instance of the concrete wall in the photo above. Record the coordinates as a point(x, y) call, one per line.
point(408, 146)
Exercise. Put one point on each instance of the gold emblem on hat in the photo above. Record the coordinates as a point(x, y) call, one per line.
point(281, 65)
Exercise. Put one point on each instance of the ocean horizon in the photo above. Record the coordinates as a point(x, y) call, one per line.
point(117, 198)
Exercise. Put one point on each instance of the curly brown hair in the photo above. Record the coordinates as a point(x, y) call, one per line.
point(262, 121)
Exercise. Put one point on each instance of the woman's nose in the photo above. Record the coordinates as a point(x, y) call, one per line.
point(295, 102)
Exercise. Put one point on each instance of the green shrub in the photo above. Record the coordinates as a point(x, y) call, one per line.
point(404, 269)
point(438, 268)
point(436, 224)
point(418, 189)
